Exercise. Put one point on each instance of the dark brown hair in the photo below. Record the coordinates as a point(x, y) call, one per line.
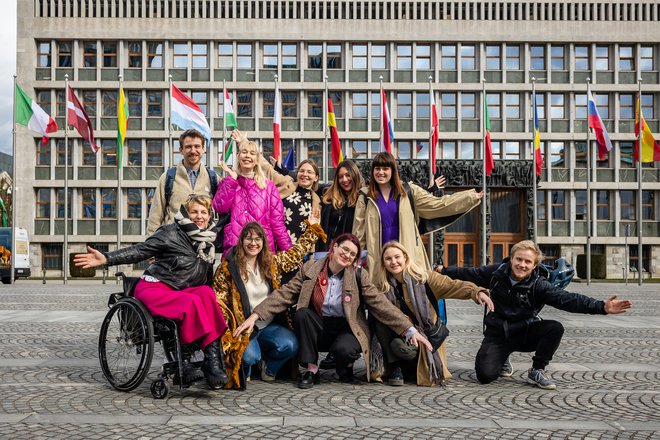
point(265, 256)
point(336, 195)
point(386, 160)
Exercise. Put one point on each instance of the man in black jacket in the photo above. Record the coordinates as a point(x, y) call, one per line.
point(519, 293)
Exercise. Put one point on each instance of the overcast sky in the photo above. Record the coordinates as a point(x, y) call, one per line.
point(7, 71)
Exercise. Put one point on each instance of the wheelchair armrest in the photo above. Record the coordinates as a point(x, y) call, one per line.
point(128, 283)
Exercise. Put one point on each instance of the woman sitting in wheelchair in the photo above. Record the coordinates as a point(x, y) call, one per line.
point(247, 275)
point(177, 285)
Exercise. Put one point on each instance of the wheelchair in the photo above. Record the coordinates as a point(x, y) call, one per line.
point(126, 344)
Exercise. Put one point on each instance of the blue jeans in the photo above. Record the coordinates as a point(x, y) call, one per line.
point(274, 344)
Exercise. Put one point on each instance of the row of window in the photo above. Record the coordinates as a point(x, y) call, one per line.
point(557, 202)
point(47, 199)
point(354, 10)
point(509, 105)
point(405, 56)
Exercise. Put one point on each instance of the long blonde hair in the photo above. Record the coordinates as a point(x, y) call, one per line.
point(413, 270)
point(336, 195)
point(259, 175)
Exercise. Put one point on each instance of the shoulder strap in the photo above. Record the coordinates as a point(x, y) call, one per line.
point(169, 183)
point(213, 177)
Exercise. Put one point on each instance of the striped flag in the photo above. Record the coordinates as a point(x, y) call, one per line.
point(29, 113)
point(122, 125)
point(386, 131)
point(650, 148)
point(230, 122)
point(537, 137)
point(488, 146)
point(186, 114)
point(335, 143)
point(434, 132)
point(596, 123)
point(277, 124)
point(77, 116)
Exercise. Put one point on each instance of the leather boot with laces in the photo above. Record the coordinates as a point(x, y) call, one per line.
point(214, 365)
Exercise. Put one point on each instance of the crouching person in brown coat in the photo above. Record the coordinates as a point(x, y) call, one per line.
point(329, 312)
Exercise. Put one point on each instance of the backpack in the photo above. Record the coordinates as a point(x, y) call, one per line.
point(169, 183)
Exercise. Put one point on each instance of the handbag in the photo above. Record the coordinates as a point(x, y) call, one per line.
point(437, 335)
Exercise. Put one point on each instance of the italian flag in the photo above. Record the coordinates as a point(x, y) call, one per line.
point(28, 113)
point(230, 122)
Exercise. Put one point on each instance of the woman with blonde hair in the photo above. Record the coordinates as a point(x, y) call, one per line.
point(248, 196)
point(415, 291)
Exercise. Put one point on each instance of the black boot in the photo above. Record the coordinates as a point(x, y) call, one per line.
point(214, 365)
point(189, 372)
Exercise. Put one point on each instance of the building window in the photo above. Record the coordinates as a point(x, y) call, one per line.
point(375, 104)
point(634, 257)
point(646, 58)
point(378, 56)
point(88, 200)
point(467, 150)
point(557, 154)
point(513, 57)
point(134, 54)
point(64, 54)
point(134, 149)
point(448, 105)
point(540, 105)
point(540, 205)
point(603, 105)
point(626, 153)
point(550, 252)
point(334, 56)
point(580, 205)
point(626, 106)
point(109, 103)
point(648, 205)
point(109, 152)
point(602, 205)
point(200, 56)
point(154, 152)
point(580, 154)
point(88, 155)
point(448, 54)
point(537, 58)
point(557, 106)
point(108, 203)
point(558, 206)
point(43, 153)
point(60, 103)
point(225, 56)
point(314, 56)
point(582, 58)
point(315, 104)
point(109, 54)
point(154, 103)
point(43, 54)
point(626, 59)
point(359, 56)
point(602, 58)
point(557, 58)
point(496, 147)
point(512, 150)
point(202, 100)
point(270, 56)
point(359, 102)
point(580, 106)
point(244, 104)
point(134, 98)
point(51, 256)
point(43, 100)
point(154, 55)
point(423, 105)
point(89, 53)
point(404, 105)
point(647, 106)
point(289, 56)
point(468, 57)
point(180, 55)
point(512, 101)
point(244, 56)
point(423, 57)
point(290, 105)
point(89, 102)
point(468, 106)
point(359, 149)
point(448, 150)
point(628, 205)
point(337, 103)
point(134, 203)
point(494, 106)
point(493, 58)
point(59, 203)
point(60, 151)
point(403, 150)
point(43, 203)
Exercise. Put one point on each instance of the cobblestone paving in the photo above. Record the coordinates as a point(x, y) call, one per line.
point(607, 371)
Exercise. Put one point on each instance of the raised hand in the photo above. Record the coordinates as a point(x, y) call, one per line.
point(615, 306)
point(440, 182)
point(237, 135)
point(315, 216)
point(480, 195)
point(227, 169)
point(92, 259)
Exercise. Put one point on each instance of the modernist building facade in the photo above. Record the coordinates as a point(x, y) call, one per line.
point(351, 45)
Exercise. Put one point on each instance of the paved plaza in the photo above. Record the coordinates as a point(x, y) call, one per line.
point(607, 372)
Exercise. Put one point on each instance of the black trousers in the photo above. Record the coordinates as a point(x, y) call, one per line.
point(328, 334)
point(542, 337)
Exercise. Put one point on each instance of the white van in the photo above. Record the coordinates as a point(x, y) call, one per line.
point(22, 254)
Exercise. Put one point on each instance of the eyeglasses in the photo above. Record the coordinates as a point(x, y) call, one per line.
point(347, 251)
point(253, 239)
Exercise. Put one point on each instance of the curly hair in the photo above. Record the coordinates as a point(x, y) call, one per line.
point(265, 256)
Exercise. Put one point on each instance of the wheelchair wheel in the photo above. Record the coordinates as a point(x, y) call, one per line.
point(126, 344)
point(159, 388)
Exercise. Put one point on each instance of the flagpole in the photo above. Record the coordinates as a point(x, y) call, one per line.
point(14, 199)
point(639, 183)
point(431, 175)
point(534, 185)
point(484, 241)
point(120, 159)
point(65, 262)
point(326, 96)
point(589, 214)
point(224, 120)
point(382, 109)
point(169, 125)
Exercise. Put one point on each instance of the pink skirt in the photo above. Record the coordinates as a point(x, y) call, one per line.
point(195, 309)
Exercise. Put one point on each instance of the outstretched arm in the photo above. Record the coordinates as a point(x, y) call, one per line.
point(615, 306)
point(93, 259)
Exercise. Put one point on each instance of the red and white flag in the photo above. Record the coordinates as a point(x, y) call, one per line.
point(77, 117)
point(434, 132)
point(277, 124)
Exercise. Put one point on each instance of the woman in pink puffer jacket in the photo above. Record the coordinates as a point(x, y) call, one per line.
point(249, 197)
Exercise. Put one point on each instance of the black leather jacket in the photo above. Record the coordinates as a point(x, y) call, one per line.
point(521, 303)
point(177, 263)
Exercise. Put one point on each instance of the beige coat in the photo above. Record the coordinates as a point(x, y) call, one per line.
point(299, 291)
point(159, 214)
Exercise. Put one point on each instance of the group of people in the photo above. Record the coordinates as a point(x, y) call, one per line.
point(269, 305)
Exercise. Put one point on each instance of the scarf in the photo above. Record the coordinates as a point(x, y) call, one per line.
point(202, 238)
point(320, 287)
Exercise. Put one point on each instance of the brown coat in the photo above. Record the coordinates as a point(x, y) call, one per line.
point(299, 291)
